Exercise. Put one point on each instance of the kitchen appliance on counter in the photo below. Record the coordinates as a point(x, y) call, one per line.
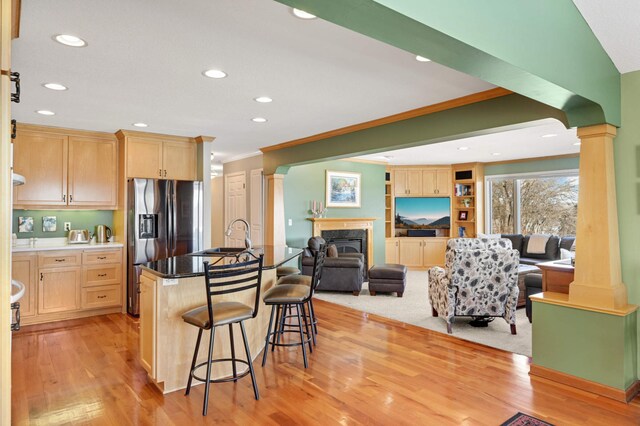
point(103, 233)
point(79, 236)
point(164, 220)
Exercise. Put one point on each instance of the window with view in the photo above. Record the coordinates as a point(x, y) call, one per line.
point(533, 204)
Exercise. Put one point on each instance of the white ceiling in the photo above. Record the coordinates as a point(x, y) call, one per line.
point(513, 144)
point(616, 24)
point(144, 60)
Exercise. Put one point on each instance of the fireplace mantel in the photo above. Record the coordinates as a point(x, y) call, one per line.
point(332, 223)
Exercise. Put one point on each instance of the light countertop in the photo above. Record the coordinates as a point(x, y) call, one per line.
point(49, 244)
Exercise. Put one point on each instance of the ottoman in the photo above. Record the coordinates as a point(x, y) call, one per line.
point(388, 277)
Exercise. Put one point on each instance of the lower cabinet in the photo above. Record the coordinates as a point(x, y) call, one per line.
point(59, 289)
point(422, 252)
point(148, 325)
point(101, 297)
point(23, 269)
point(392, 250)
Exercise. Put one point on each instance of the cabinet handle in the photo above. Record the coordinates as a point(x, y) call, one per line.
point(64, 198)
point(165, 172)
point(160, 172)
point(41, 276)
point(102, 257)
point(15, 78)
point(102, 275)
point(102, 297)
point(14, 129)
point(71, 198)
point(60, 260)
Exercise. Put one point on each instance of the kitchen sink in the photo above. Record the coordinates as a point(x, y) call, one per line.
point(219, 251)
point(17, 291)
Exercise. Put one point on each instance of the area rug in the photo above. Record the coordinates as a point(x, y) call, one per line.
point(522, 419)
point(414, 308)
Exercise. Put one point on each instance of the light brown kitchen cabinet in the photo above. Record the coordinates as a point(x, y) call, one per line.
point(407, 182)
point(160, 159)
point(100, 297)
point(436, 182)
point(433, 250)
point(392, 250)
point(42, 159)
point(422, 252)
point(93, 172)
point(411, 252)
point(65, 168)
point(148, 325)
point(59, 289)
point(23, 269)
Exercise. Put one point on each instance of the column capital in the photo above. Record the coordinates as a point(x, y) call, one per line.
point(597, 131)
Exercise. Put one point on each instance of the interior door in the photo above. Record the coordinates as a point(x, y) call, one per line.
point(257, 206)
point(235, 207)
point(93, 168)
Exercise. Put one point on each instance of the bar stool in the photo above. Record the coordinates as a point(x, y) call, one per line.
point(282, 297)
point(283, 271)
point(300, 280)
point(225, 278)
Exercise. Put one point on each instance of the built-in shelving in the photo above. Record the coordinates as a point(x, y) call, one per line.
point(467, 206)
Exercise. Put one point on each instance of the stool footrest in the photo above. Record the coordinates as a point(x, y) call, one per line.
point(223, 380)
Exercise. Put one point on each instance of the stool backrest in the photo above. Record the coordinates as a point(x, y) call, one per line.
point(318, 265)
point(226, 278)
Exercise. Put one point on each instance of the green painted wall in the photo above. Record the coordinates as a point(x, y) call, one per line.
point(533, 166)
point(627, 160)
point(80, 219)
point(595, 346)
point(542, 49)
point(307, 183)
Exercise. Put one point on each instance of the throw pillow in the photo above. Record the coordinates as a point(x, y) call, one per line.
point(332, 250)
point(566, 254)
point(489, 236)
point(573, 246)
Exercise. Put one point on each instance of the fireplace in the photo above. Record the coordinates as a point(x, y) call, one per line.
point(348, 241)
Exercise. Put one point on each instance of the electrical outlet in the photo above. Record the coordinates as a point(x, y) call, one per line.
point(290, 222)
point(67, 226)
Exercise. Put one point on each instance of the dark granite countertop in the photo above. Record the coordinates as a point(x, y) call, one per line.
point(192, 266)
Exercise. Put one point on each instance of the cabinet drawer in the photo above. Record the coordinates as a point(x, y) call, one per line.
point(92, 257)
point(101, 297)
point(101, 275)
point(59, 259)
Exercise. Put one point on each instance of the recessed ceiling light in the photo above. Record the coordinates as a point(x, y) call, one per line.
point(263, 99)
point(422, 59)
point(496, 153)
point(577, 143)
point(141, 124)
point(55, 86)
point(302, 14)
point(550, 135)
point(70, 40)
point(463, 148)
point(45, 112)
point(215, 74)
point(259, 120)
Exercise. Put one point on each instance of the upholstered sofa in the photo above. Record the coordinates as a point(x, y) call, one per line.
point(480, 279)
point(552, 249)
point(342, 273)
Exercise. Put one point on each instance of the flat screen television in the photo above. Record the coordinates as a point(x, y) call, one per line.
point(423, 213)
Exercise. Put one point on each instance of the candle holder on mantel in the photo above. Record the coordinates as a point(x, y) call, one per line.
point(317, 209)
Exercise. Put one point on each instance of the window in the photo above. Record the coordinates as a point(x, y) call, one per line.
point(544, 203)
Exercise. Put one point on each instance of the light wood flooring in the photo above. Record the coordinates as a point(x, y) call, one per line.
point(365, 370)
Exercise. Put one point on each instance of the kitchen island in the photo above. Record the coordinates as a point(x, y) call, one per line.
point(173, 286)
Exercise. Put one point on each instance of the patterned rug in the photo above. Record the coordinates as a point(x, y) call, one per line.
point(522, 419)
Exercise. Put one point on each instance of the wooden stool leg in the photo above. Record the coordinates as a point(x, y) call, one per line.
point(250, 361)
point(193, 363)
point(208, 378)
point(266, 339)
point(233, 354)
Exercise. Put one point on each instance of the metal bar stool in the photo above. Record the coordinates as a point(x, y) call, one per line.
point(226, 276)
point(283, 271)
point(285, 296)
point(299, 280)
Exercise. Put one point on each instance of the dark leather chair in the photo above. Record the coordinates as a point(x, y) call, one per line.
point(532, 285)
point(342, 273)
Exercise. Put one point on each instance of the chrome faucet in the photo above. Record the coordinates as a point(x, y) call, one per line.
point(247, 235)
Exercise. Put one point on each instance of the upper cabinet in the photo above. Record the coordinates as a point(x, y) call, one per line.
point(65, 170)
point(160, 157)
point(422, 182)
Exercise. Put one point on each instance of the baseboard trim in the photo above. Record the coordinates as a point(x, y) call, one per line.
point(586, 385)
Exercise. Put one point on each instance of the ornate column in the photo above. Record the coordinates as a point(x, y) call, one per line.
point(274, 231)
point(598, 280)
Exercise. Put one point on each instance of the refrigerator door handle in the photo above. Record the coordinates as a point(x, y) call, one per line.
point(173, 235)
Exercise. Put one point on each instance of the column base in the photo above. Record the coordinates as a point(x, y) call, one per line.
point(613, 297)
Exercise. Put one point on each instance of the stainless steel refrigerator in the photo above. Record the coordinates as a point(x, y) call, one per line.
point(165, 220)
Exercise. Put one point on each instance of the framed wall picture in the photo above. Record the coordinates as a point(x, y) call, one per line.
point(463, 215)
point(343, 189)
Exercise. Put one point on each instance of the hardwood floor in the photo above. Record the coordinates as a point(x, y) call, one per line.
point(365, 370)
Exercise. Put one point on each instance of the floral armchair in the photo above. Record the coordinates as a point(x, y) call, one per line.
point(480, 279)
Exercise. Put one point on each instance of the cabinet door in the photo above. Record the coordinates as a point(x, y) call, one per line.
point(414, 182)
point(144, 158)
point(400, 183)
point(410, 252)
point(391, 251)
point(42, 159)
point(23, 269)
point(179, 160)
point(434, 249)
point(429, 185)
point(93, 172)
point(443, 182)
point(148, 325)
point(59, 290)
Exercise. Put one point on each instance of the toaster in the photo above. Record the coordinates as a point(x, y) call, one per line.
point(79, 236)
